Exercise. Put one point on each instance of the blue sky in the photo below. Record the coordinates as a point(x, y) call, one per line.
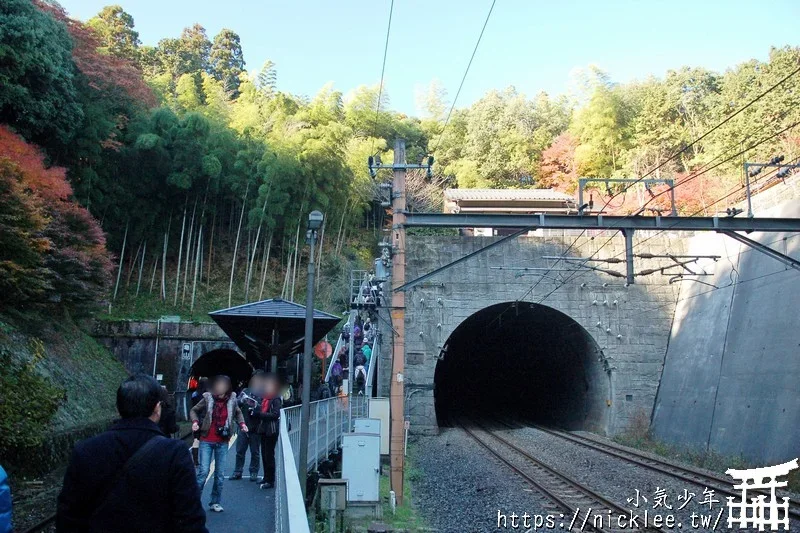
point(531, 44)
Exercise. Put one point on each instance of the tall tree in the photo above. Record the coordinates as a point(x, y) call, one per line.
point(600, 130)
point(76, 261)
point(226, 60)
point(114, 28)
point(38, 97)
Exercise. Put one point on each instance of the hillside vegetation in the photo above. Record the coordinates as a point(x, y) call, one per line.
point(139, 181)
point(57, 383)
point(201, 173)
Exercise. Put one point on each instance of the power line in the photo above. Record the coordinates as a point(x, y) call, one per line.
point(676, 154)
point(569, 278)
point(383, 71)
point(729, 285)
point(577, 272)
point(464, 78)
point(726, 120)
point(765, 178)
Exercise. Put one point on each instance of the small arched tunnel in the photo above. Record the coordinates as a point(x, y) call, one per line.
point(522, 361)
point(223, 361)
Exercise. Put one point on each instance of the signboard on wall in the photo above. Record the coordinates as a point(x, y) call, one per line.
point(186, 355)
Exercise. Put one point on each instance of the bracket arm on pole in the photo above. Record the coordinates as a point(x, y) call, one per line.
point(434, 272)
point(763, 248)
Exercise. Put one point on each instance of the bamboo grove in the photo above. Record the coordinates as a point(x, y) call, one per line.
point(199, 172)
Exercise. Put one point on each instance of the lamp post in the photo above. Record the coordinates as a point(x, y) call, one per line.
point(314, 224)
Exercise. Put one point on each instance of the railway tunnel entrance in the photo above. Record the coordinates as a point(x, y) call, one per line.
point(522, 360)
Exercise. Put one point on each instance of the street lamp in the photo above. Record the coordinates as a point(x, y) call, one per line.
point(314, 224)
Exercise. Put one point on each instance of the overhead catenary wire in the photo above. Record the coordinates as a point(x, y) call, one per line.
point(726, 120)
point(733, 192)
point(572, 244)
point(464, 77)
point(676, 154)
point(383, 72)
point(569, 278)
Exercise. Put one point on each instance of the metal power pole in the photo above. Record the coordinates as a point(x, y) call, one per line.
point(315, 221)
point(396, 442)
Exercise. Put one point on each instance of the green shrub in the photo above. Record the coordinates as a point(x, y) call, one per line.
point(28, 400)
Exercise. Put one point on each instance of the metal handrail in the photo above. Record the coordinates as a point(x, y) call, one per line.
point(329, 419)
point(335, 353)
point(373, 363)
point(290, 509)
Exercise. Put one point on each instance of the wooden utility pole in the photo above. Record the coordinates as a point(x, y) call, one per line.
point(397, 396)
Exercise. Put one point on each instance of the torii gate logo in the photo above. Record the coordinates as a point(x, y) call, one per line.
point(756, 510)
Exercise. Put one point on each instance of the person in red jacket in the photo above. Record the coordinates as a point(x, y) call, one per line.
point(215, 418)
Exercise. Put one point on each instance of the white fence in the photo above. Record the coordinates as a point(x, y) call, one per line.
point(328, 420)
point(290, 509)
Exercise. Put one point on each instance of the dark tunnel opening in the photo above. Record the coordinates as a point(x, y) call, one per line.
point(223, 361)
point(522, 361)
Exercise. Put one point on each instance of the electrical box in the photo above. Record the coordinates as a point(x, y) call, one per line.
point(379, 408)
point(367, 425)
point(381, 273)
point(333, 494)
point(361, 466)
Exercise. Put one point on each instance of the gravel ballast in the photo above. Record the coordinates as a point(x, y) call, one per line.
point(461, 487)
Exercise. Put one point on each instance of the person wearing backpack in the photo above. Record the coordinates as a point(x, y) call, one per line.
point(359, 360)
point(336, 373)
point(324, 390)
point(367, 351)
point(131, 478)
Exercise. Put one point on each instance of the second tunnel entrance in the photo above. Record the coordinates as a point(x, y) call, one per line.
point(526, 360)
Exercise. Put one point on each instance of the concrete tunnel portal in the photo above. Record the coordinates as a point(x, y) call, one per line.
point(521, 360)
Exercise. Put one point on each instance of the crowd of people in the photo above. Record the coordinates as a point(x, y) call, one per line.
point(134, 478)
point(363, 334)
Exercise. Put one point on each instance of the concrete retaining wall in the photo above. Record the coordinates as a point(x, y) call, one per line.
point(732, 373)
point(134, 343)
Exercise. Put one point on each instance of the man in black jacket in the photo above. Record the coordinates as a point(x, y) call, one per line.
point(248, 400)
point(120, 481)
point(269, 413)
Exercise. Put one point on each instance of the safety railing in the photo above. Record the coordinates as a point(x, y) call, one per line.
point(290, 509)
point(329, 419)
point(358, 279)
point(339, 344)
point(372, 368)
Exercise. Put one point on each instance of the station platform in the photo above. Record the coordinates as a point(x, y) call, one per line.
point(247, 508)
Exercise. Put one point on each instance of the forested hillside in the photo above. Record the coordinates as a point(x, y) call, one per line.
point(176, 178)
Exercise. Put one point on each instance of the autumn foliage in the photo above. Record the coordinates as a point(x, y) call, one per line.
point(104, 72)
point(557, 169)
point(52, 251)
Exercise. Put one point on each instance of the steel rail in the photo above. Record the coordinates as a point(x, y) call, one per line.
point(684, 473)
point(561, 487)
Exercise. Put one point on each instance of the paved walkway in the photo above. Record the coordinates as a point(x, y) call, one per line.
point(248, 509)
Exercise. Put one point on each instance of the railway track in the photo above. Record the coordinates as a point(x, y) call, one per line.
point(685, 473)
point(578, 506)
